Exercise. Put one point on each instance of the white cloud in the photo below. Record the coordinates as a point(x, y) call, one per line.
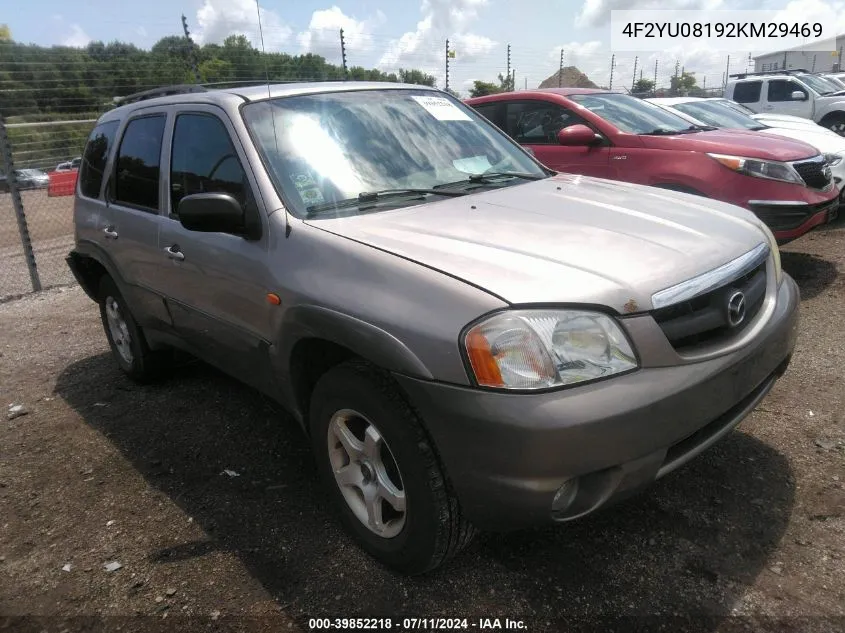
point(424, 47)
point(218, 19)
point(323, 34)
point(830, 14)
point(76, 38)
point(597, 12)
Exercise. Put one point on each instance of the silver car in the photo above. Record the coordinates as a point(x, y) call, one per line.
point(468, 339)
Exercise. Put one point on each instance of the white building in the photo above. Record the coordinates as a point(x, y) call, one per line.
point(801, 58)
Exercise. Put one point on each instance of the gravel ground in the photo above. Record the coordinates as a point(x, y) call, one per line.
point(750, 536)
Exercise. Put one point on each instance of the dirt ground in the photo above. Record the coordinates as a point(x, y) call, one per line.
point(750, 536)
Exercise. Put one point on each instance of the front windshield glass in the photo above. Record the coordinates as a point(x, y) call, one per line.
point(630, 114)
point(334, 146)
point(819, 84)
point(719, 115)
point(733, 105)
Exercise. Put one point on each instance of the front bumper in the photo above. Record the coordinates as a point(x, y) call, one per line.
point(508, 454)
point(790, 221)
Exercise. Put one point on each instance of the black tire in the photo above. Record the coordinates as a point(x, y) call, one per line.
point(434, 529)
point(835, 123)
point(145, 365)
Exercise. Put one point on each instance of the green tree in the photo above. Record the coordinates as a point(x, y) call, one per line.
point(643, 85)
point(483, 88)
point(415, 77)
point(683, 83)
point(505, 83)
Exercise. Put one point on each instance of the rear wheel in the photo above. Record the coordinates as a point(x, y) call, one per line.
point(382, 472)
point(126, 338)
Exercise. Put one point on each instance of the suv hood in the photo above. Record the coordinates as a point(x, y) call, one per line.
point(823, 140)
point(566, 239)
point(737, 142)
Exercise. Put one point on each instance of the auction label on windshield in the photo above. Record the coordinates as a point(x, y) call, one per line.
point(442, 109)
point(732, 31)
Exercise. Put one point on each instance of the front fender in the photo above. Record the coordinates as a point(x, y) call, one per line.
point(364, 339)
point(822, 110)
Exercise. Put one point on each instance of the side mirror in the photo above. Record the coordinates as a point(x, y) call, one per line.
point(211, 213)
point(575, 135)
point(797, 95)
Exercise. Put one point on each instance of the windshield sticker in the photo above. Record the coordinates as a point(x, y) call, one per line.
point(442, 109)
point(472, 165)
point(308, 189)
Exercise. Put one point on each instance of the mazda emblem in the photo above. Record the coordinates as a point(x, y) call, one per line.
point(736, 309)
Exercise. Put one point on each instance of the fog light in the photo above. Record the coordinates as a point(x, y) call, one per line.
point(564, 496)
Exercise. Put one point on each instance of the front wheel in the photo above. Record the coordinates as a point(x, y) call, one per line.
point(835, 123)
point(382, 472)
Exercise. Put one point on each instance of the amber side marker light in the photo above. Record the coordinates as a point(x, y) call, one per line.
point(274, 299)
point(483, 363)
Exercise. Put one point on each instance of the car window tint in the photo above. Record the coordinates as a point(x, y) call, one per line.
point(203, 160)
point(138, 163)
point(488, 111)
point(782, 89)
point(537, 122)
point(747, 91)
point(94, 158)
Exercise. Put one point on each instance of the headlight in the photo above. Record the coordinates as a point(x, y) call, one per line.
point(773, 246)
point(833, 159)
point(771, 169)
point(537, 349)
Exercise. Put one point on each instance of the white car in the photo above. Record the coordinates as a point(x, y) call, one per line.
point(721, 113)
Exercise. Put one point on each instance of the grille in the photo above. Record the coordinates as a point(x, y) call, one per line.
point(814, 172)
point(705, 318)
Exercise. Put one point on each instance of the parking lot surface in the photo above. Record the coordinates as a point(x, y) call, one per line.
point(206, 495)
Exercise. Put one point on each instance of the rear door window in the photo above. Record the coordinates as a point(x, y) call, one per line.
point(95, 157)
point(138, 164)
point(747, 91)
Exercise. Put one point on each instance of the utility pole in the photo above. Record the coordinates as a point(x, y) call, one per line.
point(655, 77)
point(560, 74)
point(634, 80)
point(447, 64)
point(194, 66)
point(727, 73)
point(813, 68)
point(508, 75)
point(839, 63)
point(705, 83)
point(784, 60)
point(513, 80)
point(612, 66)
point(343, 55)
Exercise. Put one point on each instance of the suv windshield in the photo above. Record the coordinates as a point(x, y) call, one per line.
point(342, 146)
point(633, 115)
point(715, 113)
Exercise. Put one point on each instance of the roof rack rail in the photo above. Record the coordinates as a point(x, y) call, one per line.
point(164, 91)
point(791, 71)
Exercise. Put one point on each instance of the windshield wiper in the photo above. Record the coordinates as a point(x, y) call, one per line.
point(662, 131)
point(489, 177)
point(375, 196)
point(757, 128)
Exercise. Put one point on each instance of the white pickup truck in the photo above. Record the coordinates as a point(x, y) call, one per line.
point(795, 93)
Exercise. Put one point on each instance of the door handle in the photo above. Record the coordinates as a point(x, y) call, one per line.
point(768, 107)
point(110, 233)
point(173, 252)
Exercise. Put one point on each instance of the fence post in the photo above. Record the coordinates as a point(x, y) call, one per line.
point(17, 202)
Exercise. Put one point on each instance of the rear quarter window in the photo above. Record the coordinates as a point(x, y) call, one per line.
point(94, 158)
point(747, 91)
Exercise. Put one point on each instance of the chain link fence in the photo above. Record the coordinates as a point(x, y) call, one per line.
point(51, 98)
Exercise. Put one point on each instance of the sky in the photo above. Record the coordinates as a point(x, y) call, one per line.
point(390, 34)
